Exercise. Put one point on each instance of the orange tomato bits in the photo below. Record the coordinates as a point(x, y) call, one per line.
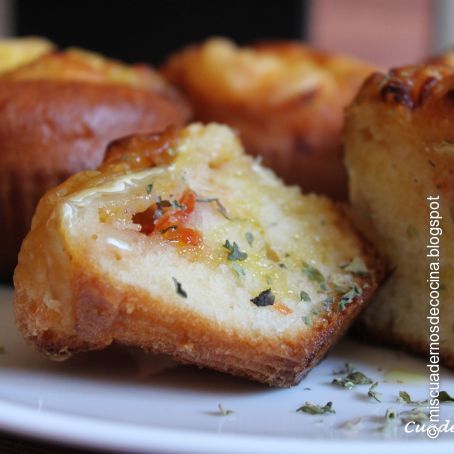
point(169, 220)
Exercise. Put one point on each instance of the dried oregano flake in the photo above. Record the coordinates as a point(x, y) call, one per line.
point(265, 298)
point(234, 251)
point(179, 288)
point(313, 409)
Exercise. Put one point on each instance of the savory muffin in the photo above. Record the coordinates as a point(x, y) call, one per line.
point(284, 98)
point(182, 244)
point(15, 52)
point(57, 114)
point(399, 140)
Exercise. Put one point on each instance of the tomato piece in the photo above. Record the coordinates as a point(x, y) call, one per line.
point(282, 308)
point(170, 218)
point(183, 235)
point(188, 199)
point(171, 223)
point(145, 220)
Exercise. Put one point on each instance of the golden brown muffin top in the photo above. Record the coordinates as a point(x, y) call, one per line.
point(79, 65)
point(15, 52)
point(420, 99)
point(271, 72)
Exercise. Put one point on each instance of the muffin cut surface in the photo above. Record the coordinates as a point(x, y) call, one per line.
point(181, 244)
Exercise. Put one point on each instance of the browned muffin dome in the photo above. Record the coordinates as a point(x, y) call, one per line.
point(15, 52)
point(57, 114)
point(285, 99)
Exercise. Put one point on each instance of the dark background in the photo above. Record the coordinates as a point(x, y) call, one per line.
point(149, 30)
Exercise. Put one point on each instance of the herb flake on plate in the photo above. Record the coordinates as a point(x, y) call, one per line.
point(372, 393)
point(390, 414)
point(405, 398)
point(390, 419)
point(352, 377)
point(224, 411)
point(313, 409)
point(443, 397)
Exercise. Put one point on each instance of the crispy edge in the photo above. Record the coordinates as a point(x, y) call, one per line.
point(108, 312)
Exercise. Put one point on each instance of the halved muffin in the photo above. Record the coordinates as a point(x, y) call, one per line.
point(285, 99)
point(182, 244)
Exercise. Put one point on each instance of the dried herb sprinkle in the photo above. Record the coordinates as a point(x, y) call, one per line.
point(234, 251)
point(265, 298)
point(179, 288)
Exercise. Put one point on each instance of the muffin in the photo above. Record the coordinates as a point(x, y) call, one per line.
point(399, 143)
point(15, 52)
point(57, 114)
point(182, 244)
point(285, 99)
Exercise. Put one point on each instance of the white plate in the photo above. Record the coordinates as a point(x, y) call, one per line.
point(101, 400)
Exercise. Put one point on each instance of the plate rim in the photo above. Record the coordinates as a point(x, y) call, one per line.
point(90, 432)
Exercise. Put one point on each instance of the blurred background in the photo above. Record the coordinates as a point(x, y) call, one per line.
point(384, 32)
